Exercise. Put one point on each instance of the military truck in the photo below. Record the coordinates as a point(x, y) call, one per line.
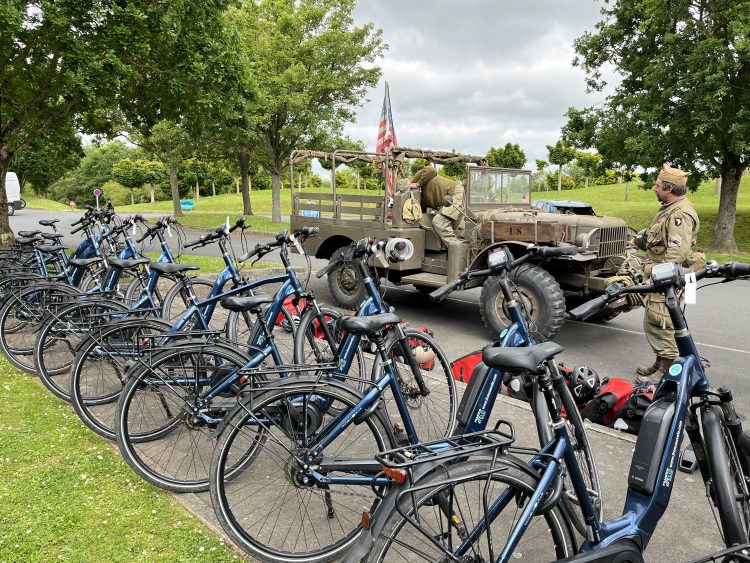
point(498, 212)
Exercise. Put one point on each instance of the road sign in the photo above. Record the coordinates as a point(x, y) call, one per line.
point(97, 192)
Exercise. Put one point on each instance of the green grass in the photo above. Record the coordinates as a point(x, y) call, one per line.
point(642, 205)
point(213, 220)
point(34, 202)
point(65, 494)
point(210, 264)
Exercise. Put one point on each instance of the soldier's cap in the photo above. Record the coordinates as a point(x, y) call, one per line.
point(673, 175)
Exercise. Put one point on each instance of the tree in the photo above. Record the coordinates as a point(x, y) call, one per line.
point(685, 89)
point(589, 162)
point(456, 170)
point(580, 130)
point(73, 61)
point(510, 156)
point(560, 154)
point(312, 66)
point(47, 158)
point(171, 145)
point(134, 174)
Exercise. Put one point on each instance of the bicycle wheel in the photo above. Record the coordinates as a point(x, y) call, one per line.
point(311, 345)
point(177, 301)
point(59, 336)
point(464, 490)
point(138, 284)
point(587, 464)
point(99, 370)
point(21, 315)
point(241, 327)
point(434, 415)
point(273, 509)
point(162, 424)
point(729, 489)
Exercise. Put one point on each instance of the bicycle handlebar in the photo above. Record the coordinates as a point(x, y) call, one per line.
point(729, 271)
point(220, 232)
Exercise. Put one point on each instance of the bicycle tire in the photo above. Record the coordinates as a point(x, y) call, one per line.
point(60, 335)
point(272, 482)
point(311, 345)
point(241, 326)
point(98, 373)
point(154, 418)
point(549, 536)
point(434, 415)
point(586, 462)
point(728, 484)
point(20, 316)
point(177, 301)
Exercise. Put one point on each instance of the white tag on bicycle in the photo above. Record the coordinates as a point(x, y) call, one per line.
point(133, 228)
point(691, 289)
point(297, 244)
point(228, 223)
point(169, 231)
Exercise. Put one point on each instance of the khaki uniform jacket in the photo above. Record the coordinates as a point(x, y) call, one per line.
point(435, 188)
point(672, 234)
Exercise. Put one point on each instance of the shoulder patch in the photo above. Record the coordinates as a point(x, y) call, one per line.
point(678, 221)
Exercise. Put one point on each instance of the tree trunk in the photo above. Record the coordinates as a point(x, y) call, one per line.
point(6, 234)
point(177, 209)
point(586, 184)
point(237, 182)
point(723, 232)
point(244, 161)
point(718, 186)
point(276, 194)
point(627, 189)
point(132, 197)
point(151, 191)
point(197, 191)
point(559, 177)
point(213, 187)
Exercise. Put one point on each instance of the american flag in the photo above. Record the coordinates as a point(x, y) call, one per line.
point(386, 137)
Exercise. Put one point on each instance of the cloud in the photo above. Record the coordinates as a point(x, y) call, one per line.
point(474, 74)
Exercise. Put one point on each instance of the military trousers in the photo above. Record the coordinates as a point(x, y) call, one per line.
point(658, 327)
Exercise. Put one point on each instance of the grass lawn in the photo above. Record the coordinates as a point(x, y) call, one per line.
point(34, 202)
point(65, 494)
point(210, 264)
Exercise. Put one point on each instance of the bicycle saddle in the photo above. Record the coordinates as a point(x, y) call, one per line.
point(123, 263)
point(48, 222)
point(250, 303)
point(368, 325)
point(520, 359)
point(48, 248)
point(83, 262)
point(167, 268)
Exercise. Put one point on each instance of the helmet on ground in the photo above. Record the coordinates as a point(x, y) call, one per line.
point(585, 384)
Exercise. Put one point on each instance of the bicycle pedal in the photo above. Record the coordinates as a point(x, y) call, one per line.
point(688, 461)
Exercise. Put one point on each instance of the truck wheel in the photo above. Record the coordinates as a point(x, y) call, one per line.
point(11, 211)
point(23, 203)
point(541, 298)
point(345, 283)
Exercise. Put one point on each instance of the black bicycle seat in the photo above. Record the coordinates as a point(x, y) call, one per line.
point(520, 359)
point(252, 303)
point(167, 268)
point(368, 325)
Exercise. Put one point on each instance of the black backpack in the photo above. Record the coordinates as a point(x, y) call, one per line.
point(629, 417)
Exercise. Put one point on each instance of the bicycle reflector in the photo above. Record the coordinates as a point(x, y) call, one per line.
point(398, 475)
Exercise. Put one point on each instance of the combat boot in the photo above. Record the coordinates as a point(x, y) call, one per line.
point(661, 368)
point(641, 370)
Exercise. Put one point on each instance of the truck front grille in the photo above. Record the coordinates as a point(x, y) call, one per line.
point(612, 241)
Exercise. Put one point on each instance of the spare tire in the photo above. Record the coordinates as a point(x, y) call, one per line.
point(345, 283)
point(540, 296)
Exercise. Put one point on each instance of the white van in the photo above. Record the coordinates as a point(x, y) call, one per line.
point(13, 193)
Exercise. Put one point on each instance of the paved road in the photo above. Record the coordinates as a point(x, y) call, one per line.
point(719, 325)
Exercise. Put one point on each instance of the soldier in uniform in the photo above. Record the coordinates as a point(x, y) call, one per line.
point(448, 224)
point(670, 238)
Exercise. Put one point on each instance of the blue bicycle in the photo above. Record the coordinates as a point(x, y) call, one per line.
point(499, 508)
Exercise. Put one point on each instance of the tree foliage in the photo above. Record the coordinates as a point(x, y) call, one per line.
point(312, 66)
point(560, 154)
point(509, 156)
point(46, 158)
point(74, 61)
point(685, 90)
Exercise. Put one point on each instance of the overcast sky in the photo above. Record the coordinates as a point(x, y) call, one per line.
point(473, 74)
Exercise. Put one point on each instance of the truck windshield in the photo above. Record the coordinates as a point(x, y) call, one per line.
point(501, 187)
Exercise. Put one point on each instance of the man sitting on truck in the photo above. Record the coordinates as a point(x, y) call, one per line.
point(448, 223)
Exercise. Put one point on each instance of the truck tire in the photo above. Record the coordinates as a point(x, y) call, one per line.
point(11, 210)
point(541, 297)
point(345, 283)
